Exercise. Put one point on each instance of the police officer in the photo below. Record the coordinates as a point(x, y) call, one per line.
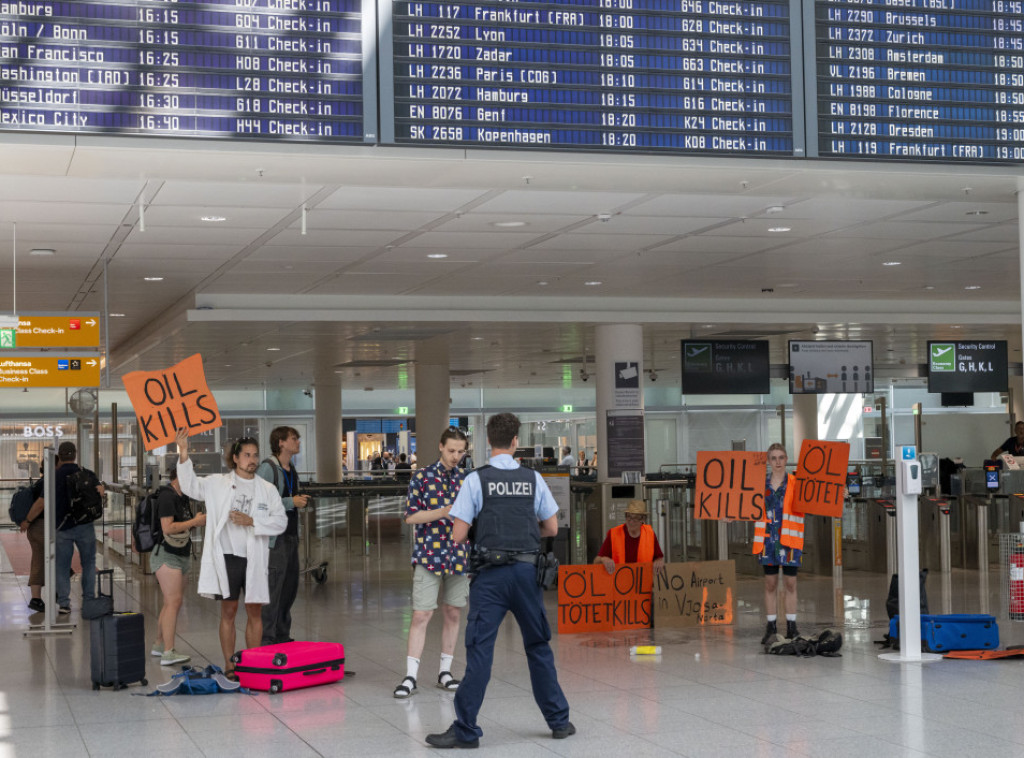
point(513, 508)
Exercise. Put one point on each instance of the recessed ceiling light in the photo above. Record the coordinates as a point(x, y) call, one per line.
point(929, 286)
point(42, 252)
point(542, 284)
point(213, 219)
point(593, 284)
point(274, 349)
point(893, 263)
point(152, 278)
point(437, 256)
point(786, 284)
point(776, 229)
point(956, 326)
point(976, 213)
point(973, 287)
point(508, 224)
point(116, 315)
point(476, 339)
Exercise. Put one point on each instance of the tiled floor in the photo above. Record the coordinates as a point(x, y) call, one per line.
point(711, 693)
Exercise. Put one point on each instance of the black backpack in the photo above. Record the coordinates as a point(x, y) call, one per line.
point(85, 504)
point(147, 531)
point(21, 504)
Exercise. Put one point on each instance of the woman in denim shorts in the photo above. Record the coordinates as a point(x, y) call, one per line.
point(170, 561)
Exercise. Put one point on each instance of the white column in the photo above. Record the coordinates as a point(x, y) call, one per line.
point(615, 344)
point(433, 398)
point(329, 436)
point(805, 422)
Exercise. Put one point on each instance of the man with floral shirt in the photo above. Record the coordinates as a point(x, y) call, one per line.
point(438, 562)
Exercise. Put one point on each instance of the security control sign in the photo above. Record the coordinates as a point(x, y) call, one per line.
point(725, 367)
point(38, 330)
point(979, 366)
point(46, 371)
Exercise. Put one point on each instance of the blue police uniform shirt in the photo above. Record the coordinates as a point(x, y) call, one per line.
point(470, 498)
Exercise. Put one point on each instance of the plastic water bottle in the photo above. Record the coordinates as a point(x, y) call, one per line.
point(645, 650)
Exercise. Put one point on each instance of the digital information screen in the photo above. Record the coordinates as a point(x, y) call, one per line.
point(967, 366)
point(830, 366)
point(725, 367)
point(290, 69)
point(921, 79)
point(687, 76)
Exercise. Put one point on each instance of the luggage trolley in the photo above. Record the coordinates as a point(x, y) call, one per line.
point(317, 570)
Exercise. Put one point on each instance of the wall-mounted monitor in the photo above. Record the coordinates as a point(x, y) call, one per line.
point(976, 366)
point(725, 367)
point(957, 399)
point(818, 367)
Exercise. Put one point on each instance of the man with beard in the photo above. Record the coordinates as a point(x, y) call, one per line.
point(242, 512)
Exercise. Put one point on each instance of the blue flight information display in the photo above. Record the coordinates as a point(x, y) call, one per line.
point(917, 80)
point(681, 76)
point(262, 69)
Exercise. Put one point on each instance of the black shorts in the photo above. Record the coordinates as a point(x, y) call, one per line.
point(235, 568)
point(786, 570)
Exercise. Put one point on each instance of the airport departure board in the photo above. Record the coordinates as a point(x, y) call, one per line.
point(687, 76)
point(274, 69)
point(921, 79)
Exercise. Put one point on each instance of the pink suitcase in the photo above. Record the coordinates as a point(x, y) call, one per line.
point(290, 665)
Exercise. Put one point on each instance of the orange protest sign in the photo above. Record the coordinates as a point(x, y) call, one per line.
point(172, 398)
point(730, 485)
point(592, 600)
point(821, 477)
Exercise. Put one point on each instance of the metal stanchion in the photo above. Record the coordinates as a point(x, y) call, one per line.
point(49, 625)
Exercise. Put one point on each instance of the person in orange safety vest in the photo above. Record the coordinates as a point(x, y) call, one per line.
point(632, 542)
point(779, 542)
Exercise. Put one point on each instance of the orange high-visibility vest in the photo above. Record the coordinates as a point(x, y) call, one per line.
point(644, 550)
point(792, 533)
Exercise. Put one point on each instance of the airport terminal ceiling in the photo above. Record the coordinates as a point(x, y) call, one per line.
point(682, 245)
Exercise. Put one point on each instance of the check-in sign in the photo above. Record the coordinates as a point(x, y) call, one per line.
point(53, 330)
point(46, 371)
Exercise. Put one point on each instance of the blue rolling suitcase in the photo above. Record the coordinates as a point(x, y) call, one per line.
point(955, 631)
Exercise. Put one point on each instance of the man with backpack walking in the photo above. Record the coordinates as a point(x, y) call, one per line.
point(79, 499)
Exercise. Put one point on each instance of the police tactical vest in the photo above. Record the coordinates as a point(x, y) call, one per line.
point(507, 518)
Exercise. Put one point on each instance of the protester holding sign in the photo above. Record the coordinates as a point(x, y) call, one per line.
point(631, 542)
point(242, 512)
point(779, 542)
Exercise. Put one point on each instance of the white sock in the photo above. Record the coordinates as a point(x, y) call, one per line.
point(790, 617)
point(446, 663)
point(771, 618)
point(412, 666)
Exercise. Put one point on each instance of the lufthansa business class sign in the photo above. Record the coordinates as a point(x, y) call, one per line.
point(46, 371)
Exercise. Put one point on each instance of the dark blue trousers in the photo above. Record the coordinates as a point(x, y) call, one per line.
point(494, 592)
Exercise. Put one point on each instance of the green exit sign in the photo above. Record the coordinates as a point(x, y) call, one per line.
point(566, 409)
point(403, 410)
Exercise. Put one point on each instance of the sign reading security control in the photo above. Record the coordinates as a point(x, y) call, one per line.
point(68, 330)
point(46, 371)
point(967, 366)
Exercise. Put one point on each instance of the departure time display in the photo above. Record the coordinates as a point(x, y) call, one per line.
point(921, 79)
point(701, 76)
point(287, 69)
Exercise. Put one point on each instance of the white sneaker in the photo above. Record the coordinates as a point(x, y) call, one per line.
point(171, 657)
point(157, 650)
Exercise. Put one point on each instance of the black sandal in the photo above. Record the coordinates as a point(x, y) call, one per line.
point(448, 685)
point(404, 690)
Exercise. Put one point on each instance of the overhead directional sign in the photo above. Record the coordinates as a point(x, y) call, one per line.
point(49, 371)
point(37, 330)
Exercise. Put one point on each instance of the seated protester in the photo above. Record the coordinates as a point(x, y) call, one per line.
point(632, 542)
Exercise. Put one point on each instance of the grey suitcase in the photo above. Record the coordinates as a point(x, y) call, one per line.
point(118, 644)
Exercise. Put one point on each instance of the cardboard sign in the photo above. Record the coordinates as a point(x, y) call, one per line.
point(730, 485)
point(592, 600)
point(821, 477)
point(694, 594)
point(173, 398)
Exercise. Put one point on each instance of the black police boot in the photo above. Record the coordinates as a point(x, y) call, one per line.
point(770, 631)
point(791, 630)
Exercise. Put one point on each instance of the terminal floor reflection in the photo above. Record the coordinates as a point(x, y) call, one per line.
point(712, 692)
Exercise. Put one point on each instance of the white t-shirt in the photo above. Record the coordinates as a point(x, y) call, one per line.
point(233, 537)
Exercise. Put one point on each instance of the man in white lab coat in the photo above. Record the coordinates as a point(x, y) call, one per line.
point(242, 512)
